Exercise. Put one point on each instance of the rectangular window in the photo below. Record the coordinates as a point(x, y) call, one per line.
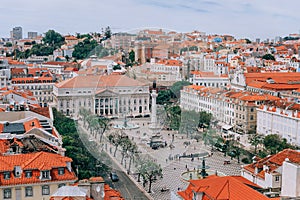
point(61, 171)
point(28, 192)
point(6, 175)
point(45, 190)
point(6, 193)
point(277, 179)
point(28, 174)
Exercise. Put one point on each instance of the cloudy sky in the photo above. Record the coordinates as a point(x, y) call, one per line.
point(240, 18)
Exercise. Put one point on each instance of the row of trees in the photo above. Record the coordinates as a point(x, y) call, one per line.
point(146, 167)
point(96, 125)
point(270, 144)
point(75, 149)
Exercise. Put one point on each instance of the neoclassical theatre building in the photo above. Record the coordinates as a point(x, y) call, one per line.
point(111, 96)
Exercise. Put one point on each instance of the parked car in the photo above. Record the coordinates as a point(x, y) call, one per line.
point(114, 177)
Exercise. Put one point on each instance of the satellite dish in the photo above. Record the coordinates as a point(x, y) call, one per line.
point(102, 194)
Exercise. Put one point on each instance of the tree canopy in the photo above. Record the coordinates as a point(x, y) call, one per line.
point(53, 38)
point(75, 149)
point(274, 143)
point(87, 48)
point(176, 87)
point(268, 57)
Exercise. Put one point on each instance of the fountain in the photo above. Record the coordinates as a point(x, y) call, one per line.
point(203, 169)
point(126, 125)
point(197, 174)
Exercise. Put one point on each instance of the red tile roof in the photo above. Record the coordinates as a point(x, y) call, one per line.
point(111, 194)
point(273, 162)
point(35, 162)
point(98, 81)
point(223, 188)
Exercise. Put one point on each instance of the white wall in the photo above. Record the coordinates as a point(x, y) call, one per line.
point(290, 180)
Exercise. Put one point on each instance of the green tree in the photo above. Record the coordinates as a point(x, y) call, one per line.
point(116, 138)
point(268, 57)
point(163, 97)
point(149, 170)
point(53, 38)
point(116, 67)
point(189, 122)
point(107, 32)
point(83, 49)
point(76, 150)
point(248, 41)
point(8, 44)
point(132, 152)
point(132, 56)
point(255, 140)
point(176, 87)
point(174, 115)
point(204, 119)
point(273, 143)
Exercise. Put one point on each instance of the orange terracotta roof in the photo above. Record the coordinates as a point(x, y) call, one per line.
point(35, 162)
point(111, 194)
point(203, 74)
point(96, 179)
point(40, 110)
point(34, 123)
point(227, 187)
point(273, 162)
point(195, 87)
point(98, 81)
point(4, 146)
point(170, 62)
point(278, 77)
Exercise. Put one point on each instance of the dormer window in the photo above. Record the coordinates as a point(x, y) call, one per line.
point(28, 174)
point(18, 171)
point(45, 174)
point(61, 171)
point(6, 175)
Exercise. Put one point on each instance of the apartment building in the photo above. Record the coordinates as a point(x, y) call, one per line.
point(34, 175)
point(281, 118)
point(231, 107)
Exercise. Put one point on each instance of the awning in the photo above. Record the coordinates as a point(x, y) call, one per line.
point(227, 127)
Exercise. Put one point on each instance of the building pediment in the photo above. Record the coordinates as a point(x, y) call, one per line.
point(105, 93)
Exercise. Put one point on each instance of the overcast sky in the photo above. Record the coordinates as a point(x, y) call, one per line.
point(240, 18)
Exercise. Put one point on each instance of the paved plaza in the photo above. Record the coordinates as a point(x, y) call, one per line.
point(168, 159)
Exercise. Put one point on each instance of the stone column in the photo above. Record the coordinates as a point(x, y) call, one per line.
point(153, 110)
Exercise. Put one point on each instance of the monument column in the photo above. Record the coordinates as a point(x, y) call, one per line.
point(153, 112)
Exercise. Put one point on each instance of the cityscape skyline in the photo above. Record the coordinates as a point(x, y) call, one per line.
point(242, 19)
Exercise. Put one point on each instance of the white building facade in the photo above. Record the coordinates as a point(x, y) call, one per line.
point(111, 96)
point(274, 120)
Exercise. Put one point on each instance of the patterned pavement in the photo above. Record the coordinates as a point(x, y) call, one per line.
point(172, 167)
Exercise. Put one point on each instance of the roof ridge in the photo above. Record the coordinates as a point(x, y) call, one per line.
point(222, 189)
point(32, 159)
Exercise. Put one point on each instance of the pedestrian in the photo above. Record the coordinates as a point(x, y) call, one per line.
point(186, 166)
point(166, 160)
